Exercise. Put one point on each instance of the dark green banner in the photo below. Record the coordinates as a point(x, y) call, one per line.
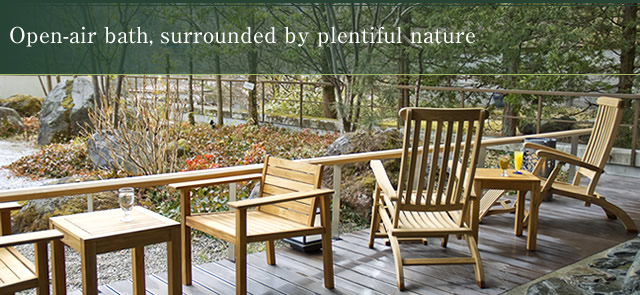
point(310, 38)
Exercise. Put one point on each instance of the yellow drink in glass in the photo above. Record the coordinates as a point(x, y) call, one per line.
point(517, 159)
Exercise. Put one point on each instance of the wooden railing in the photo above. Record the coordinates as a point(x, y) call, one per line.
point(89, 187)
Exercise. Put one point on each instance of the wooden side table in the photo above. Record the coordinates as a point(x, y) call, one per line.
point(486, 178)
point(102, 231)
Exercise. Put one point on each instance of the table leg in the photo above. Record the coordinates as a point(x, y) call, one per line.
point(137, 259)
point(533, 218)
point(520, 203)
point(475, 210)
point(173, 263)
point(58, 273)
point(89, 269)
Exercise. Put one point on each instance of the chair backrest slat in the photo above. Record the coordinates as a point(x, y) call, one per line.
point(282, 176)
point(605, 130)
point(433, 168)
point(453, 156)
point(454, 173)
point(423, 166)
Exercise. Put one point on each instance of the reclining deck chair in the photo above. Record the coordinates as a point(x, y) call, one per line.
point(431, 193)
point(591, 166)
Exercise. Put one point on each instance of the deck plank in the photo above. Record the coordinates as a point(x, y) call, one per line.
point(567, 232)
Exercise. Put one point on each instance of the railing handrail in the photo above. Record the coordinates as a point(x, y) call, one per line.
point(95, 186)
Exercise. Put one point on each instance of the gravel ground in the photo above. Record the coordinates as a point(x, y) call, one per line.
point(11, 151)
point(116, 266)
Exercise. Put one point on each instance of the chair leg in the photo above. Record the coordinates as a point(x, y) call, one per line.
point(375, 217)
point(397, 257)
point(327, 260)
point(42, 268)
point(444, 242)
point(612, 209)
point(186, 254)
point(241, 269)
point(271, 253)
point(475, 254)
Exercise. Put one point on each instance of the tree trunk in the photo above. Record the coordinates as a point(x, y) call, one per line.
point(328, 99)
point(191, 115)
point(628, 50)
point(116, 105)
point(220, 117)
point(403, 80)
point(192, 119)
point(509, 112)
point(96, 91)
point(339, 107)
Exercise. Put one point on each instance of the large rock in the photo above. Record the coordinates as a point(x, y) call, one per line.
point(527, 127)
point(10, 122)
point(105, 153)
point(34, 214)
point(357, 180)
point(553, 286)
point(26, 105)
point(65, 111)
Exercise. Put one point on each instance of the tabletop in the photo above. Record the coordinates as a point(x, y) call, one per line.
point(99, 224)
point(494, 174)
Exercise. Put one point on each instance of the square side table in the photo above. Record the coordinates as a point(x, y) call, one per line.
point(487, 178)
point(102, 231)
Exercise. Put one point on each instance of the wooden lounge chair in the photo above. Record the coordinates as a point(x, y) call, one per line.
point(431, 194)
point(17, 273)
point(591, 165)
point(286, 207)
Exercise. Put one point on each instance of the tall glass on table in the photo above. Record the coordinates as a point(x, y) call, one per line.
point(126, 198)
point(503, 161)
point(517, 161)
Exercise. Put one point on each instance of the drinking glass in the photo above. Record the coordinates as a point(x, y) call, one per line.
point(517, 160)
point(126, 198)
point(504, 165)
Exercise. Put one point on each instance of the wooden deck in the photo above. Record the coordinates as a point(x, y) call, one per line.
point(568, 232)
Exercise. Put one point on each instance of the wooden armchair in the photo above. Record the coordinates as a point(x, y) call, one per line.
point(431, 198)
point(289, 195)
point(17, 273)
point(591, 166)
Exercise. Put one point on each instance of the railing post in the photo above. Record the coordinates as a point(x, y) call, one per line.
point(574, 151)
point(90, 203)
point(634, 136)
point(539, 115)
point(230, 100)
point(462, 99)
point(262, 83)
point(482, 156)
point(202, 96)
point(301, 98)
point(231, 250)
point(335, 218)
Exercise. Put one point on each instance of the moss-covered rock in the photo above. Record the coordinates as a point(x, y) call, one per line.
point(10, 122)
point(65, 111)
point(26, 105)
point(35, 214)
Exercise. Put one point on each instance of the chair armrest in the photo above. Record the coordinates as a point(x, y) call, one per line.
point(33, 237)
point(279, 198)
point(566, 158)
point(9, 206)
point(382, 179)
point(215, 181)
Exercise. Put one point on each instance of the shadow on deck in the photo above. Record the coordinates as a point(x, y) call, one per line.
point(568, 232)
